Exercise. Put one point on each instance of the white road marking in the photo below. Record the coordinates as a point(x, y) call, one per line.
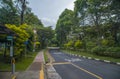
point(73, 59)
point(57, 53)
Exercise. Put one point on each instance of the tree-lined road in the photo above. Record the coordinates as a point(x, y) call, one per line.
point(73, 67)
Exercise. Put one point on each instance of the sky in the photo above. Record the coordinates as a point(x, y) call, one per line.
point(48, 11)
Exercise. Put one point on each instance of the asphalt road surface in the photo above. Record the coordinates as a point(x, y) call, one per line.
point(73, 67)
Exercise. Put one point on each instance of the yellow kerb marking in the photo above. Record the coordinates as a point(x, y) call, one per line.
point(87, 71)
point(42, 72)
point(13, 77)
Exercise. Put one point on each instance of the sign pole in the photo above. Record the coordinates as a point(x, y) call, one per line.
point(12, 57)
point(10, 38)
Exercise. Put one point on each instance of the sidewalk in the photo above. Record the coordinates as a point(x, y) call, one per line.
point(5, 75)
point(33, 71)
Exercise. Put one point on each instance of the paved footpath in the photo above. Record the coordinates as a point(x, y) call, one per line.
point(33, 71)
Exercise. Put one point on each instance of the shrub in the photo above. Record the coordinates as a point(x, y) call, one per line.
point(111, 41)
point(113, 51)
point(90, 44)
point(78, 44)
point(98, 50)
point(104, 42)
point(69, 44)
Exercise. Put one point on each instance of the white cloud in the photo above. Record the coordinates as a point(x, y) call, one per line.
point(48, 22)
point(70, 5)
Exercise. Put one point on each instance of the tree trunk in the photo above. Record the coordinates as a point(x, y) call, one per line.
point(22, 12)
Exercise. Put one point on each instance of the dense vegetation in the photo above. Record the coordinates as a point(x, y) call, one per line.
point(32, 35)
point(93, 27)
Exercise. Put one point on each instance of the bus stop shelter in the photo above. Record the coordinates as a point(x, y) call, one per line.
point(4, 32)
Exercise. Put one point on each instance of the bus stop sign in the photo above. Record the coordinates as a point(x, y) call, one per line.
point(9, 38)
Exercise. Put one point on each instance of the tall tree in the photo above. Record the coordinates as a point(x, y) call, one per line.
point(45, 34)
point(64, 25)
point(22, 7)
point(8, 12)
point(32, 19)
point(96, 13)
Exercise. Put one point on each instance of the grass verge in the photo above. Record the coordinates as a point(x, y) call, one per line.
point(45, 56)
point(20, 65)
point(93, 55)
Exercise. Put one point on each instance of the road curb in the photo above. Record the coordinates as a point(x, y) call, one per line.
point(90, 58)
point(43, 70)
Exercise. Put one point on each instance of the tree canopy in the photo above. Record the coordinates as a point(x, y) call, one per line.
point(92, 25)
point(64, 25)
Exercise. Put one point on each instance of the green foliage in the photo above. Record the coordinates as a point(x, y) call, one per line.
point(22, 37)
point(69, 44)
point(105, 51)
point(92, 55)
point(98, 50)
point(108, 42)
point(104, 42)
point(37, 43)
point(46, 56)
point(111, 42)
point(64, 25)
point(53, 42)
point(8, 12)
point(32, 19)
point(45, 34)
point(78, 44)
point(113, 51)
point(90, 45)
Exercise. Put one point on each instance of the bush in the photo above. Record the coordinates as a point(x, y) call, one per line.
point(69, 44)
point(113, 51)
point(104, 42)
point(78, 44)
point(98, 50)
point(111, 41)
point(90, 44)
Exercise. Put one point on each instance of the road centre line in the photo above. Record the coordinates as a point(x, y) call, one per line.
point(63, 63)
point(87, 71)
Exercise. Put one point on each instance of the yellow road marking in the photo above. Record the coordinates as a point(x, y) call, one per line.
point(87, 71)
point(14, 77)
point(61, 63)
point(42, 72)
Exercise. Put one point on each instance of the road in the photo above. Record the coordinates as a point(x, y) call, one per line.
point(73, 67)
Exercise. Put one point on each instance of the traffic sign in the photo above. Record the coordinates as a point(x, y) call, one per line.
point(9, 37)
